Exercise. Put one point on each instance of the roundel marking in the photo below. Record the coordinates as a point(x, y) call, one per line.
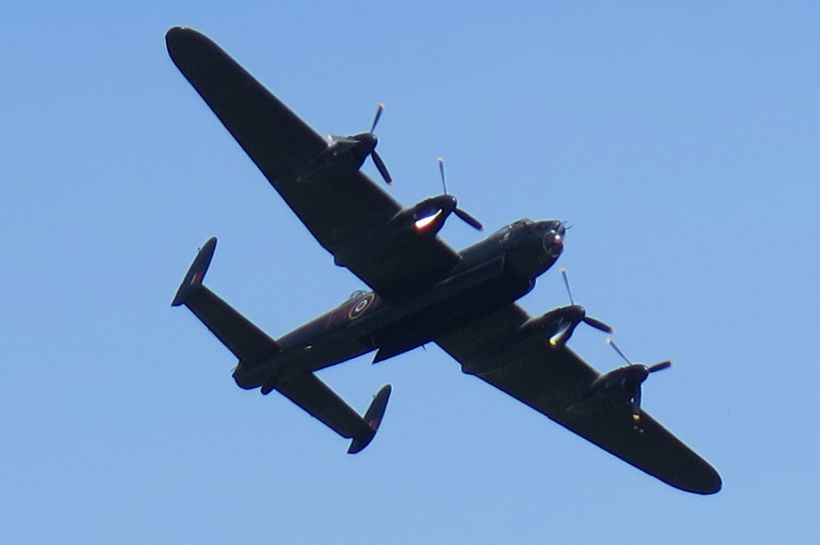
point(360, 306)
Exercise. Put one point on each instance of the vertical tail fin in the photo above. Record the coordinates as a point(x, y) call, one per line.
point(196, 274)
point(373, 418)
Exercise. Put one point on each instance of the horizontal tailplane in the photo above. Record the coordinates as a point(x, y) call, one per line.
point(247, 342)
point(317, 399)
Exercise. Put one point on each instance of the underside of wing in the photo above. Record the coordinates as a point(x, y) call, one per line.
point(550, 379)
point(340, 207)
point(278, 141)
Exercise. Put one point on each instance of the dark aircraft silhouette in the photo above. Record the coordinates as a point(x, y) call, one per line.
point(423, 291)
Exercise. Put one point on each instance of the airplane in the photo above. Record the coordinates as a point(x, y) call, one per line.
point(423, 291)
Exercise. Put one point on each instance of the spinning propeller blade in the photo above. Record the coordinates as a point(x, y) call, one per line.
point(592, 322)
point(379, 111)
point(635, 404)
point(363, 145)
point(598, 324)
point(660, 366)
point(611, 343)
point(461, 214)
point(468, 219)
point(635, 382)
point(441, 170)
point(377, 160)
point(380, 166)
point(566, 283)
point(666, 364)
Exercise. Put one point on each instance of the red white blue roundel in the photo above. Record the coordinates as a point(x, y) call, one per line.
point(360, 306)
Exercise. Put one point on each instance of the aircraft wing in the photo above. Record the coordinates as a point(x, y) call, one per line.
point(336, 210)
point(549, 379)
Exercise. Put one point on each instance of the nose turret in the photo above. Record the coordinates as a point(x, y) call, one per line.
point(553, 241)
point(532, 247)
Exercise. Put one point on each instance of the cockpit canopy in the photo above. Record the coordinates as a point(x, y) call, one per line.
point(356, 294)
point(513, 226)
point(529, 226)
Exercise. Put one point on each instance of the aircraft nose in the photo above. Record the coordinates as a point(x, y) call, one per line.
point(553, 243)
point(557, 226)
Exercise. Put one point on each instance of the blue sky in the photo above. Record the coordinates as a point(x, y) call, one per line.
point(681, 143)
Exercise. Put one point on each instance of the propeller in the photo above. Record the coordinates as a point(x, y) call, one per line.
point(377, 160)
point(634, 382)
point(592, 322)
point(367, 141)
point(659, 366)
point(379, 110)
point(464, 216)
point(666, 364)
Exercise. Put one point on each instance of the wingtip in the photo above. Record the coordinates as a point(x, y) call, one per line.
point(181, 40)
point(713, 485)
point(174, 34)
point(704, 480)
point(709, 490)
point(177, 32)
point(196, 273)
point(174, 30)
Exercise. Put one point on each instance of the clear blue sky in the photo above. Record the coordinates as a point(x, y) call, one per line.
point(681, 143)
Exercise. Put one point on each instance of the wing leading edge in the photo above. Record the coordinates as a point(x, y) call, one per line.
point(339, 208)
point(549, 379)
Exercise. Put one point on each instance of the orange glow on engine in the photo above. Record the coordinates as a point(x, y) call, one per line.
point(425, 223)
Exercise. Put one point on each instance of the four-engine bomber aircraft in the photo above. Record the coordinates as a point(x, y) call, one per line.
point(423, 291)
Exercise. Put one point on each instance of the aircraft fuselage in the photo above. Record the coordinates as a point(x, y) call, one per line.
point(491, 273)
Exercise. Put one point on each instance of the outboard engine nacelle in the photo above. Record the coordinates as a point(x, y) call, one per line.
point(559, 324)
point(618, 389)
point(349, 152)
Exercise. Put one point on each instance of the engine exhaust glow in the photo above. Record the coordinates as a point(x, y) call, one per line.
point(426, 222)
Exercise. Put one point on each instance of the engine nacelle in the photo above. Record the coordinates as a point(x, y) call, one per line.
point(424, 219)
point(616, 389)
point(346, 152)
point(557, 325)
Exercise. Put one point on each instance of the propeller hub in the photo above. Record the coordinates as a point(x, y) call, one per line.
point(368, 140)
point(450, 204)
point(582, 312)
point(638, 374)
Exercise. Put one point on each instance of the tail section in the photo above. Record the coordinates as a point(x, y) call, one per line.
point(252, 346)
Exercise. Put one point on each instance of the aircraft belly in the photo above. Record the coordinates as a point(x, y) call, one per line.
point(443, 313)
